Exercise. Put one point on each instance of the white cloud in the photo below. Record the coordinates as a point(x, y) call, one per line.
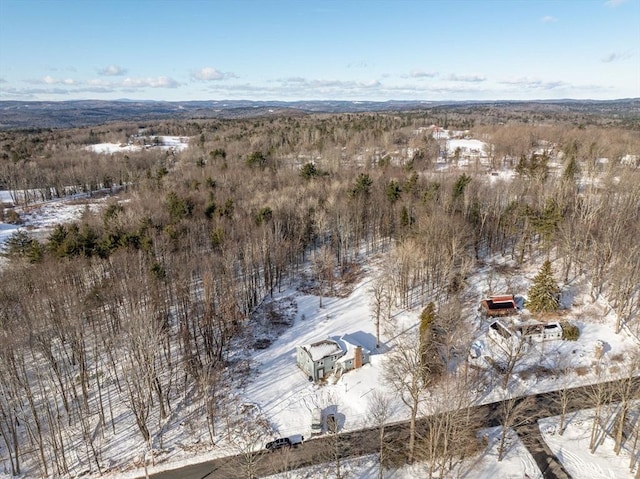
point(329, 85)
point(614, 56)
point(614, 3)
point(49, 80)
point(211, 74)
point(548, 19)
point(112, 71)
point(421, 74)
point(2, 80)
point(150, 82)
point(466, 78)
point(535, 83)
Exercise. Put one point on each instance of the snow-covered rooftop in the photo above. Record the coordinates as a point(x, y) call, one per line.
point(323, 349)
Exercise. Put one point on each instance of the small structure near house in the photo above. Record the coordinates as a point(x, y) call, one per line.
point(504, 305)
point(502, 335)
point(321, 358)
point(531, 332)
point(538, 332)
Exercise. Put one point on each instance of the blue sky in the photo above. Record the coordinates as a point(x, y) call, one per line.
point(319, 50)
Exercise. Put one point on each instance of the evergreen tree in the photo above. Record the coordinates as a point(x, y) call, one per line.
point(23, 245)
point(405, 218)
point(546, 222)
point(571, 170)
point(544, 294)
point(427, 318)
point(460, 185)
point(308, 171)
point(362, 186)
point(393, 191)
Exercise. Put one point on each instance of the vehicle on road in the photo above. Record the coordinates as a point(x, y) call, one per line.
point(278, 444)
point(316, 422)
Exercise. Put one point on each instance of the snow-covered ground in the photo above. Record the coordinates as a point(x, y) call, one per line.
point(175, 143)
point(548, 364)
point(284, 395)
point(466, 146)
point(40, 218)
point(283, 391)
point(572, 448)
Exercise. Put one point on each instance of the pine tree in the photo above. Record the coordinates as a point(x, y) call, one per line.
point(427, 318)
point(544, 294)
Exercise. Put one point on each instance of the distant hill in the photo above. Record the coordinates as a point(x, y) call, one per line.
point(69, 114)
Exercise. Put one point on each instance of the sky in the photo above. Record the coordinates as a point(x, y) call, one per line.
point(378, 50)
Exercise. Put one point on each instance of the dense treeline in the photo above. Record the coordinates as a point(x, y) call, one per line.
point(142, 303)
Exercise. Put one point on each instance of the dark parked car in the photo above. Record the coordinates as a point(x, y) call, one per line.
point(278, 443)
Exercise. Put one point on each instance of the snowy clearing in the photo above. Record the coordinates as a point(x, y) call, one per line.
point(572, 448)
point(175, 143)
point(40, 218)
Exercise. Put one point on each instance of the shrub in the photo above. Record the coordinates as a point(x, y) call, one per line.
point(582, 370)
point(12, 217)
point(570, 332)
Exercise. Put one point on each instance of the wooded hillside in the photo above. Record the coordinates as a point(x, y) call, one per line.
point(146, 300)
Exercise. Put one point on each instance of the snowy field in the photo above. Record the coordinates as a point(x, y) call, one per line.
point(572, 448)
point(41, 218)
point(467, 146)
point(175, 143)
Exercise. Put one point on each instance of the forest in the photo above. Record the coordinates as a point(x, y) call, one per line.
point(147, 305)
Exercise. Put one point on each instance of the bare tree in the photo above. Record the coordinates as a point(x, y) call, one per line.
point(324, 264)
point(248, 433)
point(625, 390)
point(406, 374)
point(513, 349)
point(381, 302)
point(597, 395)
point(380, 409)
point(513, 412)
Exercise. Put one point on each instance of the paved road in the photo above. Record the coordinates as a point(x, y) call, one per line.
point(547, 462)
point(365, 441)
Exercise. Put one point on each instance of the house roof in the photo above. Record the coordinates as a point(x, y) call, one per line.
point(501, 329)
point(350, 344)
point(323, 349)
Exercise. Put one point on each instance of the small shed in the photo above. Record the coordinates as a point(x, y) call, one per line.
point(504, 305)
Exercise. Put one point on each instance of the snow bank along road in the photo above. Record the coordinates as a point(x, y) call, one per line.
point(365, 441)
